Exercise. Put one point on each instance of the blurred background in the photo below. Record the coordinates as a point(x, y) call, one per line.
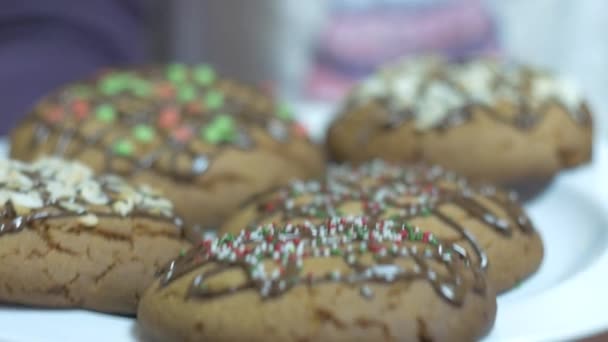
point(313, 50)
point(308, 51)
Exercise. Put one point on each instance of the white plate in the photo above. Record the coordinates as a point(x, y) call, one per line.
point(563, 300)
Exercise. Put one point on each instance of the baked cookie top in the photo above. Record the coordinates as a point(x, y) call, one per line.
point(52, 188)
point(358, 251)
point(433, 93)
point(382, 191)
point(174, 119)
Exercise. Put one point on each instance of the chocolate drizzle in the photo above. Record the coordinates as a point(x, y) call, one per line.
point(186, 117)
point(507, 83)
point(30, 193)
point(273, 259)
point(408, 193)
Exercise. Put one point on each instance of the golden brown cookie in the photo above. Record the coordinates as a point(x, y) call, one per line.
point(486, 119)
point(350, 281)
point(485, 223)
point(69, 238)
point(206, 142)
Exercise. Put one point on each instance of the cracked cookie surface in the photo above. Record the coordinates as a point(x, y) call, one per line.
point(70, 238)
point(350, 280)
point(482, 220)
point(484, 118)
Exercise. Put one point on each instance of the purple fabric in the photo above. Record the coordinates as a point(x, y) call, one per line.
point(46, 43)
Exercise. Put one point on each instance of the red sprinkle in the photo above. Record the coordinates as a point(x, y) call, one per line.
point(168, 118)
point(81, 109)
point(375, 247)
point(182, 134)
point(54, 114)
point(426, 236)
point(270, 206)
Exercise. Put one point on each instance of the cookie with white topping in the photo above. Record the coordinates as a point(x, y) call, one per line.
point(482, 221)
point(205, 140)
point(71, 238)
point(353, 281)
point(485, 118)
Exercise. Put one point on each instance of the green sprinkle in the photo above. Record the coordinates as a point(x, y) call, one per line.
point(284, 112)
point(336, 252)
point(362, 248)
point(105, 113)
point(227, 238)
point(434, 241)
point(113, 83)
point(204, 74)
point(143, 133)
point(141, 88)
point(426, 211)
point(418, 236)
point(202, 286)
point(176, 73)
point(214, 100)
point(186, 93)
point(123, 148)
point(221, 129)
point(182, 252)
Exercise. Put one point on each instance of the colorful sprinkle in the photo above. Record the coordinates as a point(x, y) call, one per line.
point(204, 74)
point(123, 148)
point(54, 114)
point(221, 129)
point(141, 88)
point(186, 93)
point(143, 133)
point(168, 118)
point(214, 100)
point(105, 113)
point(177, 73)
point(112, 84)
point(81, 109)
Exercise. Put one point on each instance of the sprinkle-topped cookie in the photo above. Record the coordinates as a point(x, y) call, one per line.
point(184, 129)
point(151, 117)
point(273, 258)
point(70, 238)
point(487, 119)
point(438, 94)
point(464, 216)
point(344, 279)
point(52, 188)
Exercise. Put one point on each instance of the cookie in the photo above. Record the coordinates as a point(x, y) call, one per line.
point(484, 222)
point(486, 119)
point(70, 238)
point(350, 280)
point(207, 142)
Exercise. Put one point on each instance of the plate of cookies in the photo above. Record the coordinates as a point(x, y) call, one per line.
point(439, 201)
